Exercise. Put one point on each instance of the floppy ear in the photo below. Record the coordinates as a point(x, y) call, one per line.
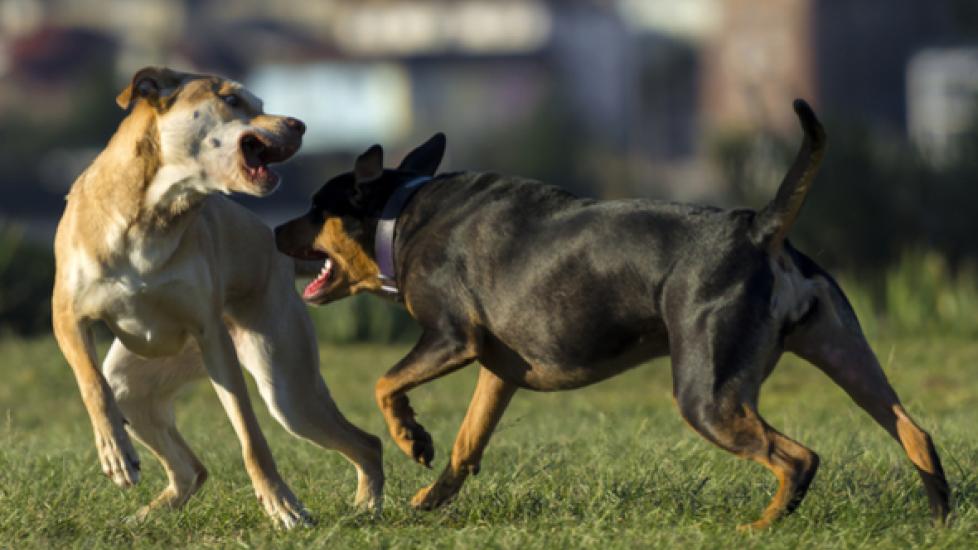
point(426, 158)
point(149, 83)
point(370, 165)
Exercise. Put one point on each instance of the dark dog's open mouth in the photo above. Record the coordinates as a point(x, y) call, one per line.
point(320, 282)
point(320, 287)
point(257, 153)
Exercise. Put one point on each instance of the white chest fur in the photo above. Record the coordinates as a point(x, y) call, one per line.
point(152, 312)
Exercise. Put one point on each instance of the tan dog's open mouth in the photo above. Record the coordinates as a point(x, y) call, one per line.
point(257, 153)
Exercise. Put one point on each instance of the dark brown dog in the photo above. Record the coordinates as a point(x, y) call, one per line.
point(552, 292)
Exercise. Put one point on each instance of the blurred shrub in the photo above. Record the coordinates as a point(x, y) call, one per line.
point(921, 294)
point(363, 318)
point(26, 280)
point(874, 198)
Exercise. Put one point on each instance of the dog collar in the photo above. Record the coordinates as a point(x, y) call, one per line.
point(384, 240)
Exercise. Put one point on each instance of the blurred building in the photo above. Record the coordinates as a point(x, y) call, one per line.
point(613, 97)
point(942, 101)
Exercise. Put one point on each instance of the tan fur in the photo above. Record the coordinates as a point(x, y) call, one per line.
point(391, 395)
point(914, 440)
point(190, 283)
point(788, 460)
point(492, 396)
point(358, 270)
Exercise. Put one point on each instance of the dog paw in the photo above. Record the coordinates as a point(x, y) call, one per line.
point(416, 442)
point(370, 496)
point(283, 507)
point(431, 497)
point(118, 457)
point(140, 516)
point(754, 527)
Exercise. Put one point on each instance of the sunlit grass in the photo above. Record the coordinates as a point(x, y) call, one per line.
point(611, 466)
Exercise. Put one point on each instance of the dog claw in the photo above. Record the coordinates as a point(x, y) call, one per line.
point(416, 443)
point(119, 460)
point(423, 452)
point(284, 508)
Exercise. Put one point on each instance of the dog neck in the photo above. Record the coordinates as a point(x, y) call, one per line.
point(384, 237)
point(135, 194)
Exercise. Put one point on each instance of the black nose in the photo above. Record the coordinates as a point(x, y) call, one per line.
point(296, 125)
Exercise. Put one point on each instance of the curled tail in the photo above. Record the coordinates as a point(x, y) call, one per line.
point(773, 222)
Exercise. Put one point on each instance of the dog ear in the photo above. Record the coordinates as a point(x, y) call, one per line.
point(149, 83)
point(368, 168)
point(426, 157)
point(370, 165)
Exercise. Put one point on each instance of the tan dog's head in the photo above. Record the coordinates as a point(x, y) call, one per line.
point(212, 134)
point(340, 226)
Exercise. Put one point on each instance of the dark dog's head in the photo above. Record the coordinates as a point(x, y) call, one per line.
point(340, 226)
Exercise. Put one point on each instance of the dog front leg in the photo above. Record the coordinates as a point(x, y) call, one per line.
point(435, 355)
point(115, 451)
point(222, 365)
point(492, 396)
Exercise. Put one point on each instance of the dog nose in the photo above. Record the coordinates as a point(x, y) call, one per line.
point(296, 125)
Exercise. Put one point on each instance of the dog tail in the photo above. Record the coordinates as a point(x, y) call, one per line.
point(773, 222)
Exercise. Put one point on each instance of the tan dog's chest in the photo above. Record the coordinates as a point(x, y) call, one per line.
point(151, 313)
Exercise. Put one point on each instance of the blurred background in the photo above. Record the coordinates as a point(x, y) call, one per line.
point(682, 100)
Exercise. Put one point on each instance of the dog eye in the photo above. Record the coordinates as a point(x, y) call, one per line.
point(232, 100)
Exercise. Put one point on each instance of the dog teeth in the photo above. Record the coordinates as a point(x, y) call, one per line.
point(326, 268)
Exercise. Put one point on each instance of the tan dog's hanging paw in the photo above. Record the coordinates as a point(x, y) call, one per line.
point(282, 506)
point(117, 456)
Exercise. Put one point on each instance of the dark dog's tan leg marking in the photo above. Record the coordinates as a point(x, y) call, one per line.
point(741, 431)
point(793, 464)
point(433, 356)
point(833, 343)
point(491, 397)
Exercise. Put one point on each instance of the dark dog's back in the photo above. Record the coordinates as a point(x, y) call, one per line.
point(569, 281)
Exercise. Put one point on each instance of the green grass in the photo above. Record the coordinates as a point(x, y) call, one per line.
point(610, 466)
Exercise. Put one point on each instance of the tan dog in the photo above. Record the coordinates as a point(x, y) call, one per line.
point(190, 283)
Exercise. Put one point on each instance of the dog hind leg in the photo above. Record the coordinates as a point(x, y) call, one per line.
point(283, 358)
point(145, 389)
point(738, 428)
point(832, 340)
point(717, 375)
point(307, 410)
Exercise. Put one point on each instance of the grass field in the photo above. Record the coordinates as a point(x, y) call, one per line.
point(611, 466)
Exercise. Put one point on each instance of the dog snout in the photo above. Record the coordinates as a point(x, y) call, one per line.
point(296, 125)
point(282, 241)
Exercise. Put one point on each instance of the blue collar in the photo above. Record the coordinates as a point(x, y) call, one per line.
point(384, 239)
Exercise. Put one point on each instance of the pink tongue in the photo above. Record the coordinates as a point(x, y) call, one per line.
point(314, 286)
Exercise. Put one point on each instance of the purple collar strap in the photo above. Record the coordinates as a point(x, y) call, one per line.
point(384, 240)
